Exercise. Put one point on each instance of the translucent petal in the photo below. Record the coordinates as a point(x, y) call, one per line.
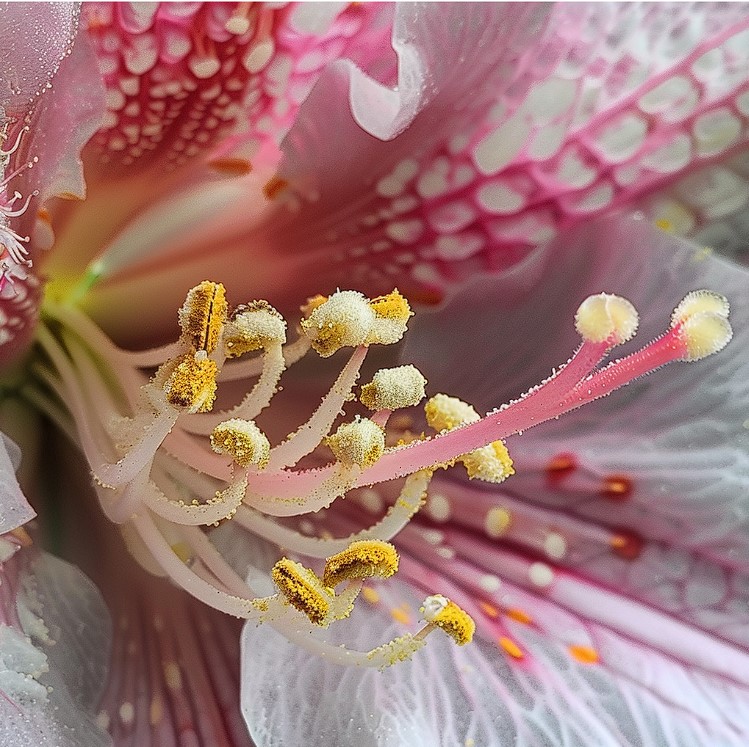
point(14, 508)
point(55, 668)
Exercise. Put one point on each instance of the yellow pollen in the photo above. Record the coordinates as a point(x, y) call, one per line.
point(252, 327)
point(312, 303)
point(392, 313)
point(604, 316)
point(362, 559)
point(583, 654)
point(343, 320)
point(445, 614)
point(302, 589)
point(665, 225)
point(360, 443)
point(510, 647)
point(243, 441)
point(514, 613)
point(491, 463)
point(192, 383)
point(393, 388)
point(203, 315)
point(392, 306)
point(444, 413)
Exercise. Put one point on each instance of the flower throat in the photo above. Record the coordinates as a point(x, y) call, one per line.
point(167, 467)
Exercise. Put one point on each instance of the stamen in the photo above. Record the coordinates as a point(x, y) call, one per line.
point(393, 388)
point(302, 589)
point(168, 482)
point(203, 316)
point(440, 612)
point(254, 327)
point(363, 559)
point(192, 383)
point(359, 443)
point(243, 441)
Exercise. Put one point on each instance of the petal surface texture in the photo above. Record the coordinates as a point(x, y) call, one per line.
point(628, 626)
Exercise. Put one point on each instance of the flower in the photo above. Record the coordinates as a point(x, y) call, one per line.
point(237, 137)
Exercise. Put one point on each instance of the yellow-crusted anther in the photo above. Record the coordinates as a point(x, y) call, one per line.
point(392, 313)
point(361, 559)
point(343, 320)
point(698, 302)
point(441, 612)
point(444, 413)
point(360, 443)
point(606, 317)
point(392, 388)
point(312, 303)
point(253, 326)
point(243, 441)
point(192, 383)
point(203, 315)
point(491, 463)
point(302, 589)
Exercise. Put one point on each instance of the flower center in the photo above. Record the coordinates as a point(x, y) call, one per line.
point(167, 467)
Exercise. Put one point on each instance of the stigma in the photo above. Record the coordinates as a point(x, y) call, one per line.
point(167, 465)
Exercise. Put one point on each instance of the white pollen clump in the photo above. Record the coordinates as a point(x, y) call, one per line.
point(490, 583)
point(705, 334)
point(603, 316)
point(698, 302)
point(360, 443)
point(540, 575)
point(243, 441)
point(432, 606)
point(555, 546)
point(438, 507)
point(253, 327)
point(392, 388)
point(444, 413)
point(345, 319)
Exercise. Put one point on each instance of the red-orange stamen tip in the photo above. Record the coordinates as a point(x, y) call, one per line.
point(489, 609)
point(274, 187)
point(616, 487)
point(231, 166)
point(510, 647)
point(627, 546)
point(583, 654)
point(519, 615)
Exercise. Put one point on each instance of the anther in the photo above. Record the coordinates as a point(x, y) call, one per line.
point(440, 612)
point(393, 388)
point(492, 462)
point(698, 302)
point(606, 317)
point(392, 313)
point(192, 383)
point(203, 315)
point(343, 320)
point(360, 560)
point(243, 441)
point(253, 327)
point(302, 589)
point(704, 334)
point(360, 443)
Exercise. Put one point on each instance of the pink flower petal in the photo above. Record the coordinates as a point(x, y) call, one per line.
point(36, 38)
point(14, 508)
